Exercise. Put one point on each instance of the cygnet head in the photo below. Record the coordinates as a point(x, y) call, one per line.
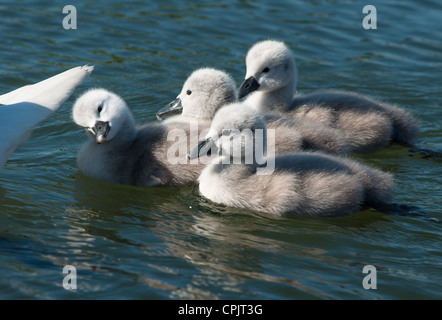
point(270, 66)
point(204, 92)
point(104, 115)
point(234, 132)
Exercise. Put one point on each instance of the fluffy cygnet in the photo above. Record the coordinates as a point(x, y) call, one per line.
point(203, 93)
point(366, 124)
point(23, 108)
point(304, 183)
point(207, 90)
point(118, 151)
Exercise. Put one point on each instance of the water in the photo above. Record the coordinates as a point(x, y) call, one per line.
point(170, 243)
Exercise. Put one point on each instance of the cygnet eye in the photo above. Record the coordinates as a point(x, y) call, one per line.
point(189, 92)
point(265, 70)
point(100, 107)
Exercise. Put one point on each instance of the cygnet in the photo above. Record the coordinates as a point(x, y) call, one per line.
point(366, 124)
point(119, 152)
point(203, 93)
point(303, 183)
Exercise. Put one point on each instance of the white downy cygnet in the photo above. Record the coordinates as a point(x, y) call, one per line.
point(203, 93)
point(206, 90)
point(119, 152)
point(366, 124)
point(25, 107)
point(303, 183)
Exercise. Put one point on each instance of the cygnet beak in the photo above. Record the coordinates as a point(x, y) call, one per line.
point(203, 148)
point(101, 130)
point(173, 108)
point(248, 86)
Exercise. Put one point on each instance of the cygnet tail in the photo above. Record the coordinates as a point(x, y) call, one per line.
point(406, 128)
point(378, 195)
point(378, 185)
point(50, 93)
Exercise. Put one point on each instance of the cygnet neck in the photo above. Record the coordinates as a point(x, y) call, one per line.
point(275, 100)
point(126, 134)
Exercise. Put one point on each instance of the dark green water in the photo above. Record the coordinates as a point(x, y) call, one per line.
point(170, 243)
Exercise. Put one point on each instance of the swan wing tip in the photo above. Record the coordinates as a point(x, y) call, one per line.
point(88, 68)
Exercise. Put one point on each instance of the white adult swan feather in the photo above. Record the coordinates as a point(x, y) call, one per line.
point(23, 108)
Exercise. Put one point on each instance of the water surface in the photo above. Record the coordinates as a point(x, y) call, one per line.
point(170, 243)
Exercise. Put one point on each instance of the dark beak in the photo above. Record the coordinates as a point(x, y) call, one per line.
point(101, 130)
point(248, 86)
point(203, 148)
point(173, 108)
